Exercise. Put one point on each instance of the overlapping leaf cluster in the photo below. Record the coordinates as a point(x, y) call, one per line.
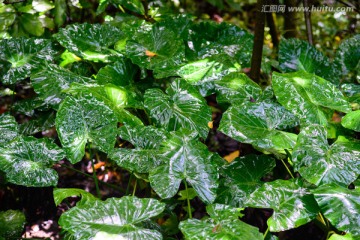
point(151, 79)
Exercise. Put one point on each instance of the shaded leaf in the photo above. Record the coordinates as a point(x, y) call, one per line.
point(181, 107)
point(92, 42)
point(22, 55)
point(242, 177)
point(146, 154)
point(320, 163)
point(223, 223)
point(12, 223)
point(347, 57)
point(50, 80)
point(81, 119)
point(293, 204)
point(116, 217)
point(304, 94)
point(259, 124)
point(8, 128)
point(41, 122)
point(167, 49)
point(346, 202)
point(186, 159)
point(296, 55)
point(352, 92)
point(27, 160)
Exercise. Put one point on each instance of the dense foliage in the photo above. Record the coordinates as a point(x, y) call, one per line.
point(137, 89)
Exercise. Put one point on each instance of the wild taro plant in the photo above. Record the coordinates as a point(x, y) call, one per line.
point(147, 86)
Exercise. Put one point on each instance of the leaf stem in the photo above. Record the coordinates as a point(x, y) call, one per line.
point(287, 169)
point(266, 232)
point(188, 200)
point(96, 180)
point(129, 183)
point(135, 185)
point(90, 176)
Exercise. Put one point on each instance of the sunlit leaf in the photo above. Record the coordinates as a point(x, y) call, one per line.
point(260, 124)
point(61, 193)
point(320, 163)
point(340, 206)
point(118, 218)
point(292, 203)
point(304, 94)
point(27, 160)
point(223, 223)
point(185, 159)
point(82, 119)
point(352, 120)
point(181, 107)
point(8, 129)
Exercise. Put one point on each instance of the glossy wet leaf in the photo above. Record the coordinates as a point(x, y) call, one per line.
point(50, 80)
point(340, 206)
point(223, 223)
point(158, 49)
point(260, 124)
point(120, 73)
point(181, 107)
point(93, 42)
point(242, 177)
point(61, 193)
point(209, 39)
point(40, 122)
point(146, 154)
point(27, 160)
point(304, 94)
point(320, 163)
point(82, 119)
point(292, 203)
point(22, 55)
point(42, 5)
point(296, 55)
point(352, 92)
point(117, 98)
point(117, 217)
point(347, 56)
point(352, 120)
point(185, 159)
point(8, 129)
point(235, 88)
point(12, 223)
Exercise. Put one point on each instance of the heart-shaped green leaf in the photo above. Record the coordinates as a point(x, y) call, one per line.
point(293, 204)
point(146, 154)
point(120, 73)
point(296, 55)
point(223, 223)
point(341, 206)
point(158, 49)
point(347, 56)
point(259, 124)
point(22, 55)
point(352, 121)
point(121, 218)
point(93, 42)
point(186, 158)
point(50, 80)
point(320, 163)
point(85, 118)
point(242, 177)
point(181, 107)
point(27, 160)
point(11, 224)
point(61, 193)
point(304, 94)
point(9, 129)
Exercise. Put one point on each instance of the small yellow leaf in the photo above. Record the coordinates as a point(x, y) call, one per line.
point(229, 158)
point(211, 124)
point(150, 54)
